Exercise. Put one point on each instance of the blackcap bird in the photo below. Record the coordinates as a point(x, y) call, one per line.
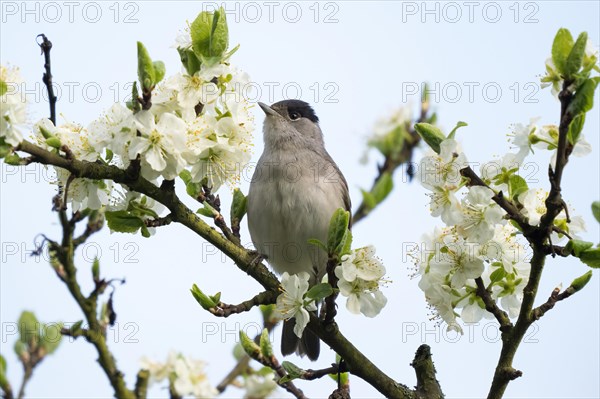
point(295, 189)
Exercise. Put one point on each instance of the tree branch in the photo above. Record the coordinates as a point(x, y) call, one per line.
point(555, 296)
point(537, 237)
point(427, 385)
point(64, 254)
point(226, 310)
point(491, 306)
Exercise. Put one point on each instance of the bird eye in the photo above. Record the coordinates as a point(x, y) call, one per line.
point(294, 115)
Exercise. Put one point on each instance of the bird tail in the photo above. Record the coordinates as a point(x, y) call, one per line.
point(308, 345)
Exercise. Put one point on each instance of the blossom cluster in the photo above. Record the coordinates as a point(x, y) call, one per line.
point(13, 113)
point(360, 277)
point(186, 375)
point(477, 241)
point(200, 123)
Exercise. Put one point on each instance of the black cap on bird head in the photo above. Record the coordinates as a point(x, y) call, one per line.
point(288, 108)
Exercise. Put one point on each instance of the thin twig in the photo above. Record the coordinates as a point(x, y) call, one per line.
point(26, 377)
point(491, 306)
point(46, 46)
point(555, 296)
point(226, 310)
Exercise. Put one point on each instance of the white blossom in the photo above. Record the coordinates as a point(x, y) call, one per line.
point(480, 215)
point(363, 296)
point(160, 144)
point(189, 377)
point(260, 385)
point(522, 136)
point(113, 130)
point(291, 303)
point(362, 263)
point(504, 247)
point(534, 206)
point(443, 169)
point(360, 277)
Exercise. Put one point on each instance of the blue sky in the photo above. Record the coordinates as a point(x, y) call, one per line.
point(355, 62)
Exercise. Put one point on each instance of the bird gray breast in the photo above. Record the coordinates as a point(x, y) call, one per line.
point(291, 200)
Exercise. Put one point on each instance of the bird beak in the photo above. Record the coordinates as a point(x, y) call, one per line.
point(267, 110)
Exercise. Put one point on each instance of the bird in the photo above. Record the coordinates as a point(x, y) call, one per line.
point(295, 189)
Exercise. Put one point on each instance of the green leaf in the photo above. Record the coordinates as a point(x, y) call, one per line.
point(581, 281)
point(576, 247)
point(458, 126)
point(383, 187)
point(591, 257)
point(497, 275)
point(292, 371)
point(123, 222)
point(238, 205)
point(561, 48)
point(20, 349)
point(134, 105)
point(29, 329)
point(208, 210)
point(596, 210)
point(583, 101)
point(575, 58)
point(96, 269)
point(265, 344)
point(52, 337)
point(368, 199)
point(200, 31)
point(516, 186)
point(186, 176)
point(220, 33)
point(431, 135)
point(249, 346)
point(575, 128)
point(345, 245)
point(159, 71)
point(210, 37)
point(145, 232)
point(319, 291)
point(190, 61)
point(109, 155)
point(76, 327)
point(205, 212)
point(317, 243)
point(216, 298)
point(338, 225)
point(13, 159)
point(204, 300)
point(146, 74)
